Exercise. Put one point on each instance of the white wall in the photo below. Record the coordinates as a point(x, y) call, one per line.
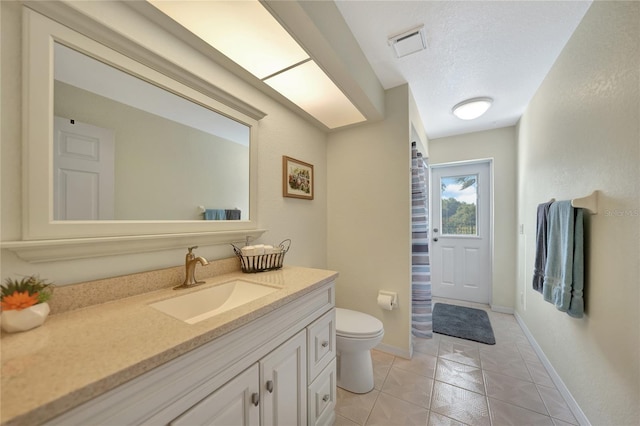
point(369, 216)
point(501, 146)
point(281, 133)
point(581, 133)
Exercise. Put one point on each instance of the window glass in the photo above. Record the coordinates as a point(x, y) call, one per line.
point(459, 198)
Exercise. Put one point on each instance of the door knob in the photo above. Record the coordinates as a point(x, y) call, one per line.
point(435, 239)
point(435, 229)
point(270, 386)
point(255, 399)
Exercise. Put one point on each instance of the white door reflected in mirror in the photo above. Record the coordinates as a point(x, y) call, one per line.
point(83, 171)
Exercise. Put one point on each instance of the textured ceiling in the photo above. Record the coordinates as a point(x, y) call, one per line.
point(500, 49)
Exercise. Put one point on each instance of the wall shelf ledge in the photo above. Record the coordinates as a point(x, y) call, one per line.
point(36, 251)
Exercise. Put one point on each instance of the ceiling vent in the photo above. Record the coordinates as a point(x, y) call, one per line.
point(408, 42)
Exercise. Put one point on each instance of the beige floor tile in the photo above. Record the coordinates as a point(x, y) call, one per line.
point(461, 375)
point(514, 391)
point(460, 404)
point(389, 410)
point(355, 407)
point(342, 421)
point(501, 347)
point(503, 414)
point(381, 366)
point(427, 346)
point(408, 386)
point(436, 419)
point(556, 406)
point(510, 364)
point(421, 364)
point(459, 350)
point(558, 422)
point(539, 374)
point(527, 352)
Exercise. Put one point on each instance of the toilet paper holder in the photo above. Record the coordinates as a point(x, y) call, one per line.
point(385, 295)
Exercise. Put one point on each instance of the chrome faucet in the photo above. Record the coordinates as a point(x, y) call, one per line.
point(190, 262)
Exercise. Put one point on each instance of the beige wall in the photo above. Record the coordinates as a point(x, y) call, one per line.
point(581, 133)
point(369, 216)
point(501, 146)
point(281, 133)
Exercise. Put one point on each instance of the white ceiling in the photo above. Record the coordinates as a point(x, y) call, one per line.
point(499, 49)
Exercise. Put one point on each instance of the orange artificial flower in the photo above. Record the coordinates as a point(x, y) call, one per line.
point(19, 301)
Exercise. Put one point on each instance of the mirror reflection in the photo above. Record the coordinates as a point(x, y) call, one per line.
point(125, 149)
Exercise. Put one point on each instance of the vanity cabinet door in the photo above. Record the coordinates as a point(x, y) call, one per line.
point(283, 377)
point(236, 403)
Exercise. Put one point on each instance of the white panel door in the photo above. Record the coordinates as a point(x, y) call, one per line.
point(461, 231)
point(83, 174)
point(283, 377)
point(235, 403)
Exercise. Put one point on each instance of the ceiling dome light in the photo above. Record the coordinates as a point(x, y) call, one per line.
point(472, 108)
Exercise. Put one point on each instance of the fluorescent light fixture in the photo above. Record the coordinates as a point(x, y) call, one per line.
point(472, 108)
point(244, 31)
point(307, 86)
point(249, 35)
point(408, 42)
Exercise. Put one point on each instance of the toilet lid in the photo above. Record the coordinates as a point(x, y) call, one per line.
point(356, 324)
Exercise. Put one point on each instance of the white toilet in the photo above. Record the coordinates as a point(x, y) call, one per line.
point(356, 334)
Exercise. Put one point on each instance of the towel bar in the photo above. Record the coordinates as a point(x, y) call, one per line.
point(589, 203)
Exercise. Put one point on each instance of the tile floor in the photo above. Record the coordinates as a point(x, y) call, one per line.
point(452, 381)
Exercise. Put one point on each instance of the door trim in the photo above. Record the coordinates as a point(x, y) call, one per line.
point(491, 213)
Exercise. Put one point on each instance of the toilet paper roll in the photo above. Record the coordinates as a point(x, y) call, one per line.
point(385, 302)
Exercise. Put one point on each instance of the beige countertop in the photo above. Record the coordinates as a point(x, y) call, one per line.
point(80, 354)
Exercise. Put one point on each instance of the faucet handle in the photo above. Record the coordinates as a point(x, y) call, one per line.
point(191, 248)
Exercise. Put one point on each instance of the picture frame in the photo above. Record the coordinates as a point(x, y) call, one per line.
point(297, 178)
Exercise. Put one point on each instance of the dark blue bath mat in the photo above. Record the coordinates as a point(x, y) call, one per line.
point(465, 323)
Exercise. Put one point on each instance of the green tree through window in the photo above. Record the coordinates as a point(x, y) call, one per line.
point(459, 199)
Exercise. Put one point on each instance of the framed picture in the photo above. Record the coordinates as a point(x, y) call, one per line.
point(297, 178)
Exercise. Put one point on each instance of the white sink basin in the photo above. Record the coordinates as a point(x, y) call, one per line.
point(200, 305)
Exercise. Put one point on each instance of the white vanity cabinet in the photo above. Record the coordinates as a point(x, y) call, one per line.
point(271, 392)
point(233, 404)
point(278, 369)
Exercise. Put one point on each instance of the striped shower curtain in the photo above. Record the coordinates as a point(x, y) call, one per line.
point(420, 268)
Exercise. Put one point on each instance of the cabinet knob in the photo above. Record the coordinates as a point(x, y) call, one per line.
point(255, 399)
point(270, 385)
point(326, 398)
point(325, 344)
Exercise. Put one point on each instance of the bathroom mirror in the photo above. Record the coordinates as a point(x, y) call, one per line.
point(126, 149)
point(165, 172)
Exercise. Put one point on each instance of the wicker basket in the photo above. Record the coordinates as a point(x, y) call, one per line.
point(263, 262)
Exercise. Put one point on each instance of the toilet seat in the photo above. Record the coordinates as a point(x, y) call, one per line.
point(357, 325)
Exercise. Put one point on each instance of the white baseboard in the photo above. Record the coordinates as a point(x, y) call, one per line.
point(502, 309)
point(555, 377)
point(403, 353)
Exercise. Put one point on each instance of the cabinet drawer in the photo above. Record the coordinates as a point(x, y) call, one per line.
point(321, 343)
point(322, 397)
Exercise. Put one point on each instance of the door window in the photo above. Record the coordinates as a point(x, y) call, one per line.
point(459, 200)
